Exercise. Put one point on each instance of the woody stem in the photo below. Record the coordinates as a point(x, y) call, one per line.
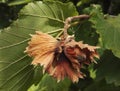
point(68, 21)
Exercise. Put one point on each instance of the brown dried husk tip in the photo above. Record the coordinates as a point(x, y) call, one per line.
point(60, 60)
point(63, 58)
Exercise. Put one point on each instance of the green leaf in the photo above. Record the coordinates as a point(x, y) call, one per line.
point(16, 73)
point(84, 32)
point(108, 29)
point(45, 16)
point(110, 35)
point(37, 74)
point(2, 1)
point(16, 2)
point(48, 83)
point(109, 68)
point(102, 86)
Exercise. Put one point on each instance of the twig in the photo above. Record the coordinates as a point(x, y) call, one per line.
point(68, 21)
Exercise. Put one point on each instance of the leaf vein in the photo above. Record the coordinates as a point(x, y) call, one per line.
point(32, 6)
point(15, 35)
point(5, 40)
point(41, 9)
point(55, 15)
point(34, 15)
point(14, 44)
point(13, 63)
point(24, 27)
point(62, 14)
point(14, 75)
point(30, 71)
point(25, 80)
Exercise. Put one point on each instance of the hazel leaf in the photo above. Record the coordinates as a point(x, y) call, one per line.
point(16, 71)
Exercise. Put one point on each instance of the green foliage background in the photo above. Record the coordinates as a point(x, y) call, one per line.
point(19, 18)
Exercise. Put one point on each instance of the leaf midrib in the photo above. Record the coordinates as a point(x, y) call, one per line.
point(51, 18)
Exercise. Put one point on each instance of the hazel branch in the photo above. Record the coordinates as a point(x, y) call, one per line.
point(69, 20)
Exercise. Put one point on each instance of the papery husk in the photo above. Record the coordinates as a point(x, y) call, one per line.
point(60, 59)
point(64, 68)
point(79, 52)
point(42, 47)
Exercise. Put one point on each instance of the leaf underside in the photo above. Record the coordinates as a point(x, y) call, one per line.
point(16, 73)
